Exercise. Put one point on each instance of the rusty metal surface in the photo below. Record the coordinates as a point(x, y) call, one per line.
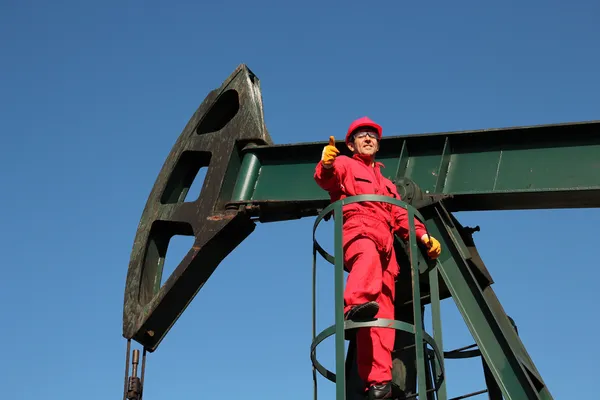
point(228, 119)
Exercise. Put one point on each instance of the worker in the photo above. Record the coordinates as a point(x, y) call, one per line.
point(368, 245)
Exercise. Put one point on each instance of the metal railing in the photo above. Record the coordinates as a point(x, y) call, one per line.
point(341, 325)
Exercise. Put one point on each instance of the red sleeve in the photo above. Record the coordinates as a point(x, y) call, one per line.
point(329, 178)
point(400, 219)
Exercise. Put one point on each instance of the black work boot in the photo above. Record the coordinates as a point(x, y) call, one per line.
point(383, 391)
point(363, 312)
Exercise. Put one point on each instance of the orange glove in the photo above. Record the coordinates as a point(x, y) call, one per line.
point(434, 248)
point(330, 152)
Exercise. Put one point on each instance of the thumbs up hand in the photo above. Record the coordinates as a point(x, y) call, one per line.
point(330, 152)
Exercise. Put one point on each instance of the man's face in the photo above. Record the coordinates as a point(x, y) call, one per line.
point(365, 143)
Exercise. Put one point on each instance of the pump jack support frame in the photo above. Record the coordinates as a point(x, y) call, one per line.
point(249, 180)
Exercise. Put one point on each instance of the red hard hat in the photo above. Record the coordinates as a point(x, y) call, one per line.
point(362, 123)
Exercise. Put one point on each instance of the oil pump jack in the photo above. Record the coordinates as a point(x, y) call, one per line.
point(250, 179)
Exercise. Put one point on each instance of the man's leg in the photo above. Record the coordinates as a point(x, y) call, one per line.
point(365, 278)
point(375, 345)
point(364, 285)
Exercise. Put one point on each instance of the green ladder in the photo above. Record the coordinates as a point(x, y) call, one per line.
point(509, 371)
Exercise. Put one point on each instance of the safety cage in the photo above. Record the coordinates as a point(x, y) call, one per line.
point(429, 360)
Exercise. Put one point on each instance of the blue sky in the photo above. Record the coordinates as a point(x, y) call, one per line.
point(95, 94)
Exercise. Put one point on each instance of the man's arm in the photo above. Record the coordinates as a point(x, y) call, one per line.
point(328, 171)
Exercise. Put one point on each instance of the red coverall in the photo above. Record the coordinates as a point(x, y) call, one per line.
point(369, 256)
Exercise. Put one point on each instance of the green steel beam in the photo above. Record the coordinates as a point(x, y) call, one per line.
point(546, 166)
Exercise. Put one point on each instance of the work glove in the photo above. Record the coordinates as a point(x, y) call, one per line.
point(434, 248)
point(330, 152)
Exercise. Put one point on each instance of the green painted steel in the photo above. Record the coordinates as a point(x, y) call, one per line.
point(247, 176)
point(436, 318)
point(341, 326)
point(544, 166)
point(414, 271)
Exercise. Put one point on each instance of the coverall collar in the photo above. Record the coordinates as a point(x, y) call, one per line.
point(367, 162)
